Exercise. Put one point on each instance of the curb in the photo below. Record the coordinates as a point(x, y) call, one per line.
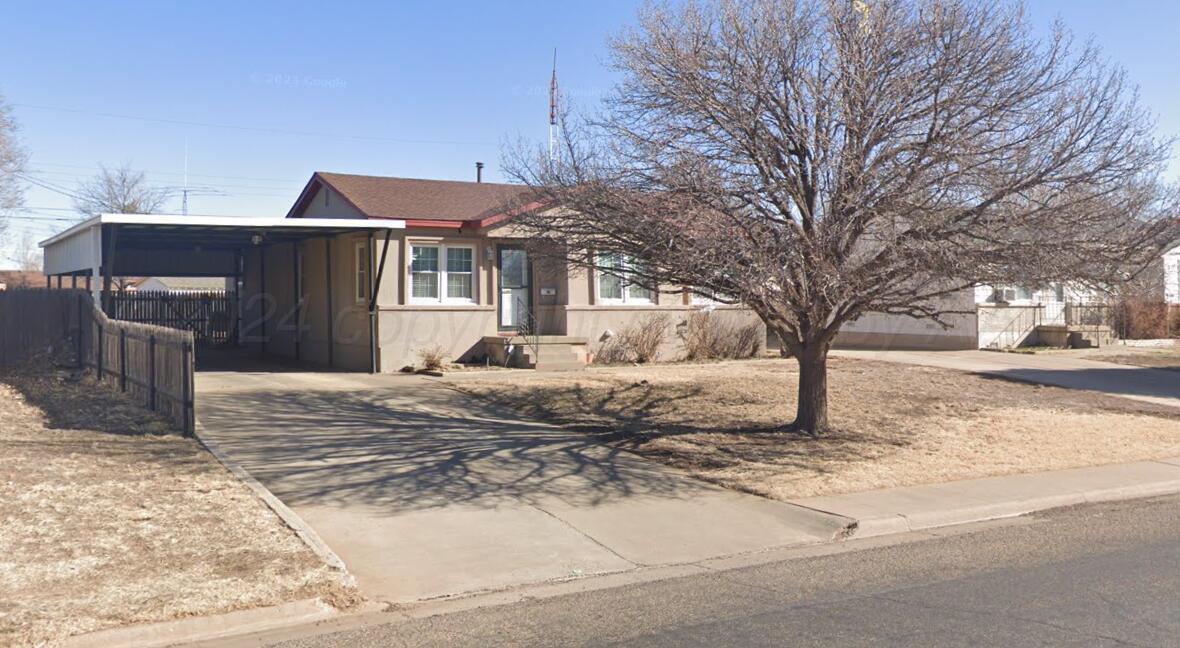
point(289, 517)
point(169, 633)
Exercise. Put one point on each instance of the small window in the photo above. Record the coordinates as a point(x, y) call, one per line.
point(616, 282)
point(442, 273)
point(460, 265)
point(424, 272)
point(362, 272)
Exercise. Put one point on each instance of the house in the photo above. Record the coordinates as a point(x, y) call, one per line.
point(22, 279)
point(457, 277)
point(368, 273)
point(177, 284)
point(1172, 275)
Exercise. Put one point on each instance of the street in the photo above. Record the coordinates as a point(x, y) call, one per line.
point(1096, 575)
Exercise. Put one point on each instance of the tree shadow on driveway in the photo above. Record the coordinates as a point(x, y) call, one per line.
point(420, 446)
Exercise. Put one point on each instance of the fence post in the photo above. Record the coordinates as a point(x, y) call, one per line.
point(98, 362)
point(122, 359)
point(81, 361)
point(152, 371)
point(186, 354)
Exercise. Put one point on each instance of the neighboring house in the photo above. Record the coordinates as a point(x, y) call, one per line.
point(21, 279)
point(1172, 275)
point(177, 284)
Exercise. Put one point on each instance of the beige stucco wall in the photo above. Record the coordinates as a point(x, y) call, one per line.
point(311, 330)
point(326, 203)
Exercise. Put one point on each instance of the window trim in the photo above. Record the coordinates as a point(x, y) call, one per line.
point(626, 299)
point(443, 299)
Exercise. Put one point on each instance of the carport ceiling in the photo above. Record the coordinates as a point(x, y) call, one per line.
point(233, 235)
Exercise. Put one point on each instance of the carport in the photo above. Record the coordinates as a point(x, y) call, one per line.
point(292, 295)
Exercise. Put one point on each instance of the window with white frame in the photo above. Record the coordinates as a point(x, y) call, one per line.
point(361, 290)
point(616, 282)
point(442, 274)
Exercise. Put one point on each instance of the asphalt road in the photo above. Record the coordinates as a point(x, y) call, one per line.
point(1088, 576)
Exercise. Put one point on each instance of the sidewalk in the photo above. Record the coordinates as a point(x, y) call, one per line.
point(912, 508)
point(1158, 386)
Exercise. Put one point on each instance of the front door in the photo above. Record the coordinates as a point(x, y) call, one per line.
point(516, 295)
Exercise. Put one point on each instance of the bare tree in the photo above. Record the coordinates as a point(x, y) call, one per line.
point(818, 160)
point(121, 190)
point(12, 163)
point(27, 255)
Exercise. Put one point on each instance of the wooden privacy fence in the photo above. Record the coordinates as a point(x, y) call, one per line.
point(153, 364)
point(37, 324)
point(209, 315)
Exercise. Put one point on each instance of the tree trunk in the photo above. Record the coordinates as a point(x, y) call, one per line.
point(811, 415)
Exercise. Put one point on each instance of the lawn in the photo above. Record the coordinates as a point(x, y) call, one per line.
point(896, 425)
point(109, 520)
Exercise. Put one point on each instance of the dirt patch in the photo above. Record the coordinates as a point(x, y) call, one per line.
point(107, 520)
point(897, 425)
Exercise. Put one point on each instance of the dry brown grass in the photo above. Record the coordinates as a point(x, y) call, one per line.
point(106, 521)
point(897, 425)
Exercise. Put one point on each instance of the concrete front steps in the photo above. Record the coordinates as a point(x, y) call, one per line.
point(1074, 336)
point(552, 353)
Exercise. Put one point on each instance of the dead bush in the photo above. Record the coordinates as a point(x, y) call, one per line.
point(645, 336)
point(1139, 318)
point(432, 358)
point(709, 335)
point(639, 342)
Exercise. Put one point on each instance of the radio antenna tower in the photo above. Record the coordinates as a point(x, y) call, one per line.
point(553, 134)
point(184, 192)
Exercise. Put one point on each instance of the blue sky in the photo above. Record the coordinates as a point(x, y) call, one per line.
point(267, 92)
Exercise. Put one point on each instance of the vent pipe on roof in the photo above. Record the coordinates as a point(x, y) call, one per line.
point(479, 171)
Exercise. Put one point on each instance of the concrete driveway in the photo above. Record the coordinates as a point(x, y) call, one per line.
point(1159, 386)
point(425, 492)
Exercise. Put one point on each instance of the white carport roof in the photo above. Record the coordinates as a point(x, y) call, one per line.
point(191, 241)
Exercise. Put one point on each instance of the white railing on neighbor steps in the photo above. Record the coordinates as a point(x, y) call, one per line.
point(1026, 321)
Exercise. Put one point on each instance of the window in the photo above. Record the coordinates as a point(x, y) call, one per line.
point(362, 272)
point(616, 284)
point(442, 274)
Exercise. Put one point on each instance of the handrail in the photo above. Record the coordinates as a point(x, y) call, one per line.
point(1011, 330)
point(527, 328)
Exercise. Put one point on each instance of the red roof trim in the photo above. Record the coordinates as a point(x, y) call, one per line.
point(498, 218)
point(440, 224)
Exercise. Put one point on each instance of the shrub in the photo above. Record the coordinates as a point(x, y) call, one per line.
point(639, 342)
point(1138, 318)
point(432, 358)
point(709, 335)
point(644, 337)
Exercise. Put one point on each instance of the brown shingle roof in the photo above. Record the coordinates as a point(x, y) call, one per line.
point(415, 199)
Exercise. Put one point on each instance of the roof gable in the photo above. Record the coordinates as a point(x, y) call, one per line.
point(411, 199)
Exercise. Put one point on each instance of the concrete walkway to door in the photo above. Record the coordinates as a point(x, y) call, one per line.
point(424, 492)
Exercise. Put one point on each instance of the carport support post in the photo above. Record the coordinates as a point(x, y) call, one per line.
point(263, 301)
point(373, 300)
point(328, 292)
point(108, 267)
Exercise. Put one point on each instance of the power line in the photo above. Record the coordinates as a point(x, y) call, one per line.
point(47, 185)
point(256, 129)
point(93, 168)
